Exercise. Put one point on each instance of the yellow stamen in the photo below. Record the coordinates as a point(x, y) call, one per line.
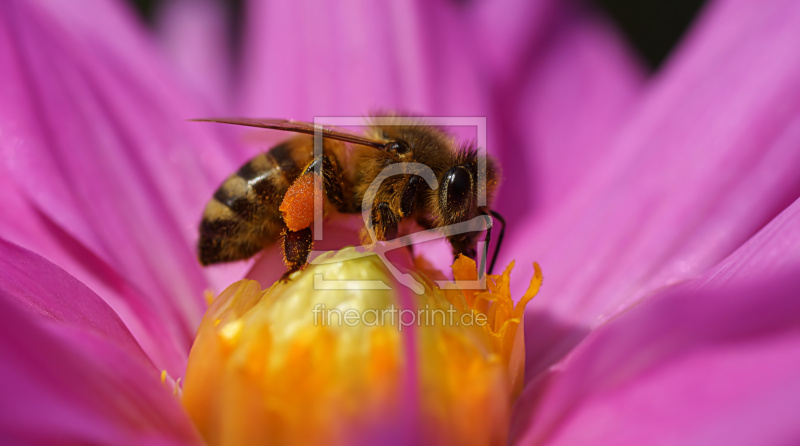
point(209, 296)
point(318, 361)
point(504, 320)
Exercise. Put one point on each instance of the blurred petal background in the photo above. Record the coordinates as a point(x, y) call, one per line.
point(655, 185)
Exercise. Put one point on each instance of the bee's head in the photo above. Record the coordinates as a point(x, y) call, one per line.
point(460, 187)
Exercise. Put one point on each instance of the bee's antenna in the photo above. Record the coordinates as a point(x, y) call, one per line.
point(502, 221)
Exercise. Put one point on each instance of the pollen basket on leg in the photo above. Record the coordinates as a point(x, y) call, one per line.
point(298, 203)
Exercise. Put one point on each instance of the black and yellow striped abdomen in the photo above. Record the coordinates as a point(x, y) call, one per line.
point(243, 216)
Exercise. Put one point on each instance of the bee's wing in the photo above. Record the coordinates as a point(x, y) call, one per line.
point(299, 127)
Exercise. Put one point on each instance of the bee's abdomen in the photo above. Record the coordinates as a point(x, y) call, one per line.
point(243, 216)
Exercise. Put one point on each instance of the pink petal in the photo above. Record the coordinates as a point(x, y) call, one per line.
point(70, 371)
point(717, 365)
point(577, 92)
point(45, 290)
point(772, 249)
point(505, 33)
point(42, 235)
point(430, 58)
point(103, 150)
point(422, 57)
point(708, 158)
point(194, 35)
point(350, 58)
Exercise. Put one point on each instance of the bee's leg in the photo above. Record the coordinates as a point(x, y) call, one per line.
point(297, 245)
point(466, 244)
point(408, 200)
point(331, 179)
point(384, 221)
point(332, 182)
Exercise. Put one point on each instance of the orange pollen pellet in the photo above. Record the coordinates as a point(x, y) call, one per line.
point(297, 206)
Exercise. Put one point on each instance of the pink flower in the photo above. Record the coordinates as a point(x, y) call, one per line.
point(661, 209)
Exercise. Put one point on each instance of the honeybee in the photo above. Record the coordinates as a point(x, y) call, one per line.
point(258, 205)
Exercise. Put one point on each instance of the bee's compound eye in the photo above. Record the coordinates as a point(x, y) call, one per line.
point(457, 188)
point(399, 147)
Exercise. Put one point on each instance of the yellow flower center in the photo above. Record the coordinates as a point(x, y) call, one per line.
point(327, 358)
